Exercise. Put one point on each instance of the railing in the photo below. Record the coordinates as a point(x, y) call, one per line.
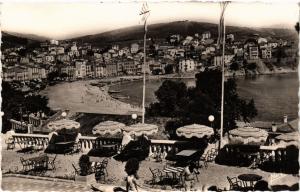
point(166, 146)
point(34, 139)
point(88, 142)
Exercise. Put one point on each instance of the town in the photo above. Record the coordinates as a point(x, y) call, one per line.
point(73, 60)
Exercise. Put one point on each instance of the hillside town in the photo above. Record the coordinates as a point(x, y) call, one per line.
point(176, 54)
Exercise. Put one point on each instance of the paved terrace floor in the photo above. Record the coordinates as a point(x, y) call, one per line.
point(213, 175)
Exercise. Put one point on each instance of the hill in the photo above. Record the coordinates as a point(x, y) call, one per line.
point(10, 39)
point(162, 30)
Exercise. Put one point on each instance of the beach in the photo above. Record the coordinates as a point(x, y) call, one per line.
point(81, 96)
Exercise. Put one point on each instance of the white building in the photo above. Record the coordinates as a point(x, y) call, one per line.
point(134, 48)
point(266, 53)
point(186, 65)
point(218, 60)
point(253, 52)
point(80, 68)
point(206, 35)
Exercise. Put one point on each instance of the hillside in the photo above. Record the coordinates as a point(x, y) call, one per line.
point(10, 39)
point(162, 30)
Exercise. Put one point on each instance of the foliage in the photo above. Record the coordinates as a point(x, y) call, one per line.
point(132, 166)
point(84, 164)
point(194, 105)
point(14, 102)
point(52, 75)
point(251, 66)
point(234, 66)
point(169, 69)
point(172, 96)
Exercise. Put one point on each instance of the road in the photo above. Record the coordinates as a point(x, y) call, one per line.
point(24, 184)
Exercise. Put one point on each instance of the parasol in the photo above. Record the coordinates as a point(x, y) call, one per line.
point(140, 129)
point(195, 130)
point(288, 139)
point(63, 123)
point(248, 135)
point(108, 127)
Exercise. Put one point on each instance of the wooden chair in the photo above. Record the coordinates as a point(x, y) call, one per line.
point(156, 176)
point(235, 184)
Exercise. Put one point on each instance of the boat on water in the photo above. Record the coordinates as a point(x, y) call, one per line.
point(120, 97)
point(113, 91)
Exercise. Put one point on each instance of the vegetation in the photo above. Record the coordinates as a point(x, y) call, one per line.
point(84, 164)
point(16, 103)
point(194, 105)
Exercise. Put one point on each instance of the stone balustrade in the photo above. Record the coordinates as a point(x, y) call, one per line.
point(166, 146)
point(32, 139)
point(88, 142)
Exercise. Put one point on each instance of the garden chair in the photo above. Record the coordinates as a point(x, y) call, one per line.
point(51, 161)
point(156, 176)
point(103, 165)
point(234, 183)
point(10, 143)
point(76, 169)
point(100, 173)
point(27, 165)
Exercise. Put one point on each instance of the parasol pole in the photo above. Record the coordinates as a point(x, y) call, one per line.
point(145, 12)
point(222, 27)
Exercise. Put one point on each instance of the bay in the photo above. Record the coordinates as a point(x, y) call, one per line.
point(274, 95)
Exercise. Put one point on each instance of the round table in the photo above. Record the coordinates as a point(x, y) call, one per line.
point(251, 178)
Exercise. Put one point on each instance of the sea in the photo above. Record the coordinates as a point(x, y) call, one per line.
point(274, 95)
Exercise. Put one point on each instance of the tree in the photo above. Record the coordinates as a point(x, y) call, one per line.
point(172, 96)
point(52, 75)
point(13, 101)
point(169, 69)
point(194, 105)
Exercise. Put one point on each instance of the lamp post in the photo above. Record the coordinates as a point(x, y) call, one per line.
point(64, 114)
point(134, 117)
point(211, 118)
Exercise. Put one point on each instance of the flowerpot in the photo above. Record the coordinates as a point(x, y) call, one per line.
point(79, 178)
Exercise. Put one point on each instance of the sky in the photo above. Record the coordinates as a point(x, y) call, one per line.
point(60, 20)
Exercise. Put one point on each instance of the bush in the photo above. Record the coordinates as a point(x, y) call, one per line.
point(84, 164)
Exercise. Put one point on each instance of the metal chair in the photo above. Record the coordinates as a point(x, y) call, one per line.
point(156, 176)
point(103, 165)
point(51, 161)
point(27, 165)
point(100, 173)
point(10, 143)
point(235, 184)
point(76, 169)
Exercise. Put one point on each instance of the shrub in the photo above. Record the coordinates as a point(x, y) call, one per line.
point(84, 164)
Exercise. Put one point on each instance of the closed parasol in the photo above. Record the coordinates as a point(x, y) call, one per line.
point(247, 135)
point(195, 130)
point(63, 123)
point(141, 129)
point(108, 127)
point(288, 139)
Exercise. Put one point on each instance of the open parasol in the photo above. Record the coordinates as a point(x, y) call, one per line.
point(195, 130)
point(63, 123)
point(108, 127)
point(140, 129)
point(288, 139)
point(248, 135)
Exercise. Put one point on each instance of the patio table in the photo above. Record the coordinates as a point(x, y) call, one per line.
point(174, 171)
point(249, 179)
point(186, 153)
